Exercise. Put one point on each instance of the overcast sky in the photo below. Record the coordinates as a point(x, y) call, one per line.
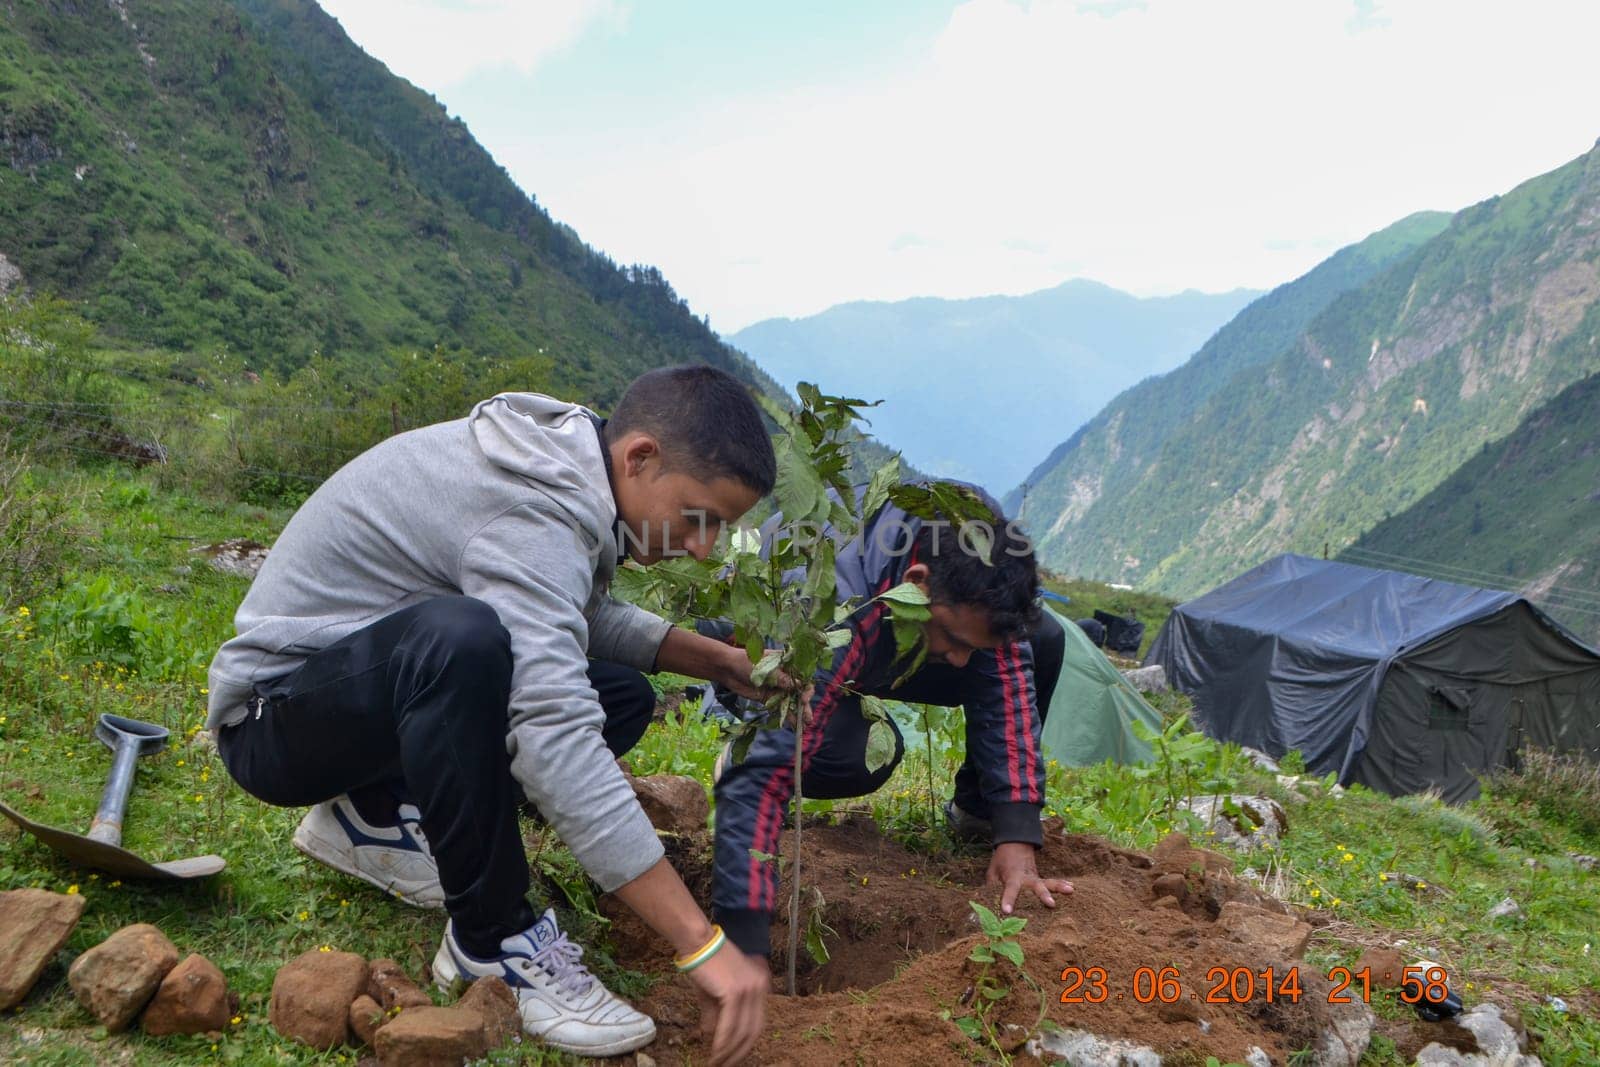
point(778, 158)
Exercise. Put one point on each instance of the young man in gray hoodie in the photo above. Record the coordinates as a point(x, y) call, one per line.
point(416, 648)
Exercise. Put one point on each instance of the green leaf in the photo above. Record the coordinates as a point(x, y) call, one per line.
point(880, 746)
point(878, 486)
point(997, 992)
point(874, 709)
point(1011, 927)
point(905, 593)
point(769, 663)
point(815, 945)
point(1010, 950)
point(840, 636)
point(987, 920)
point(981, 954)
point(799, 490)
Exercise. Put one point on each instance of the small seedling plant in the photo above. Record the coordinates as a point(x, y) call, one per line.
point(999, 944)
point(791, 627)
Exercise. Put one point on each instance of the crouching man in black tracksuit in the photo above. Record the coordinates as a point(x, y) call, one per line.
point(990, 649)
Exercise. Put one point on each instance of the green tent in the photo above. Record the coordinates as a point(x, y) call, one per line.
point(1093, 708)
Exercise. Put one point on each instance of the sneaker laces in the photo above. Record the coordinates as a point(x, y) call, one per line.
point(562, 961)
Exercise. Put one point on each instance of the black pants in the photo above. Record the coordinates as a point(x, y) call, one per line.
point(414, 706)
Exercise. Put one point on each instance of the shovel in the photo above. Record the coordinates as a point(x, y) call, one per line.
point(101, 847)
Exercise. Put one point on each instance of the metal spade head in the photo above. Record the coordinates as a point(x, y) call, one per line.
point(101, 847)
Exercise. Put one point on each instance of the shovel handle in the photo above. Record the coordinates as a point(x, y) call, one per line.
point(107, 825)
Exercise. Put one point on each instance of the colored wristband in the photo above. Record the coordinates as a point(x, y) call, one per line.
point(703, 953)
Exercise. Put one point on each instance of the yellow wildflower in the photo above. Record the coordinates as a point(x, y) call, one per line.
point(116, 883)
point(1346, 858)
point(72, 890)
point(303, 916)
point(23, 611)
point(1315, 893)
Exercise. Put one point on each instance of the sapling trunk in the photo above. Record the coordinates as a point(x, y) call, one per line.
point(794, 883)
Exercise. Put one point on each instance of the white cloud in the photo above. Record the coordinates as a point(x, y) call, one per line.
point(1154, 146)
point(436, 44)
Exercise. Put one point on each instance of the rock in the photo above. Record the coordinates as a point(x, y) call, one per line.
point(237, 556)
point(366, 1018)
point(1174, 855)
point(1257, 1057)
point(1279, 937)
point(192, 999)
point(311, 997)
point(494, 1002)
point(1345, 1038)
point(1170, 885)
point(34, 924)
point(10, 275)
point(116, 979)
point(1506, 909)
point(1497, 1043)
point(1588, 863)
point(1151, 679)
point(673, 802)
point(1385, 967)
point(643, 1059)
point(391, 987)
point(1260, 759)
point(1241, 821)
point(432, 1037)
point(1169, 903)
point(1083, 1049)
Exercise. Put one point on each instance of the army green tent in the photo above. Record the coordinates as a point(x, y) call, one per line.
point(1093, 708)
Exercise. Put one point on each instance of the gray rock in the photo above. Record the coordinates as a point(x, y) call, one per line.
point(10, 274)
point(1257, 1057)
point(1588, 863)
point(1506, 909)
point(1151, 679)
point(238, 556)
point(1252, 822)
point(1261, 759)
point(1345, 1038)
point(1079, 1048)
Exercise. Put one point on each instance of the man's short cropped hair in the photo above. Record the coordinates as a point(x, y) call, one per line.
point(1006, 588)
point(706, 422)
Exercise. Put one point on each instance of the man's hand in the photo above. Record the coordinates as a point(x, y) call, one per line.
point(735, 675)
point(1012, 866)
point(733, 1002)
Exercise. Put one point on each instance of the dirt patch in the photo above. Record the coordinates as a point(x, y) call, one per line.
point(901, 929)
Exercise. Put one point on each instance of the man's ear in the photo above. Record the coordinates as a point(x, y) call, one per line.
point(637, 452)
point(917, 574)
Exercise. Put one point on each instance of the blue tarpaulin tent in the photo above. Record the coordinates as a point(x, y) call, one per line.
point(1399, 682)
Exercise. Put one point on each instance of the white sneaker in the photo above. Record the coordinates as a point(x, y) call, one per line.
point(561, 1003)
point(393, 858)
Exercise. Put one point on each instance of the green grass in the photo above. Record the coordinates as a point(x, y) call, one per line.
point(70, 657)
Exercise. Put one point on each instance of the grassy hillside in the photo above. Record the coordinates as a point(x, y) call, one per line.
point(205, 176)
point(126, 618)
point(1524, 513)
point(1385, 393)
point(1112, 449)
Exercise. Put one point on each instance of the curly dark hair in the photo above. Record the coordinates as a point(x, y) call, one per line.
point(1006, 586)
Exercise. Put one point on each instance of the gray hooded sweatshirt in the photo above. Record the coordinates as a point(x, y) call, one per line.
point(511, 505)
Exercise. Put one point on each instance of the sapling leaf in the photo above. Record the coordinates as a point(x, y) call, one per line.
point(987, 920)
point(766, 667)
point(1010, 950)
point(908, 593)
point(838, 638)
point(880, 746)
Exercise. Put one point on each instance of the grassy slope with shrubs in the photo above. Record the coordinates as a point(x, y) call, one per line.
point(121, 617)
point(261, 186)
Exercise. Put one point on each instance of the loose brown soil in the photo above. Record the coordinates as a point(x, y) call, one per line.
point(902, 930)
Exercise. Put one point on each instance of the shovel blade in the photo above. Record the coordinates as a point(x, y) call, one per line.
point(113, 859)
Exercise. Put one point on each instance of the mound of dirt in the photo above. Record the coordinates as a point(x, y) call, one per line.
point(900, 928)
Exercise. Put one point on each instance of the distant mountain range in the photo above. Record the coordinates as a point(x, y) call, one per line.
point(1436, 371)
point(978, 389)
